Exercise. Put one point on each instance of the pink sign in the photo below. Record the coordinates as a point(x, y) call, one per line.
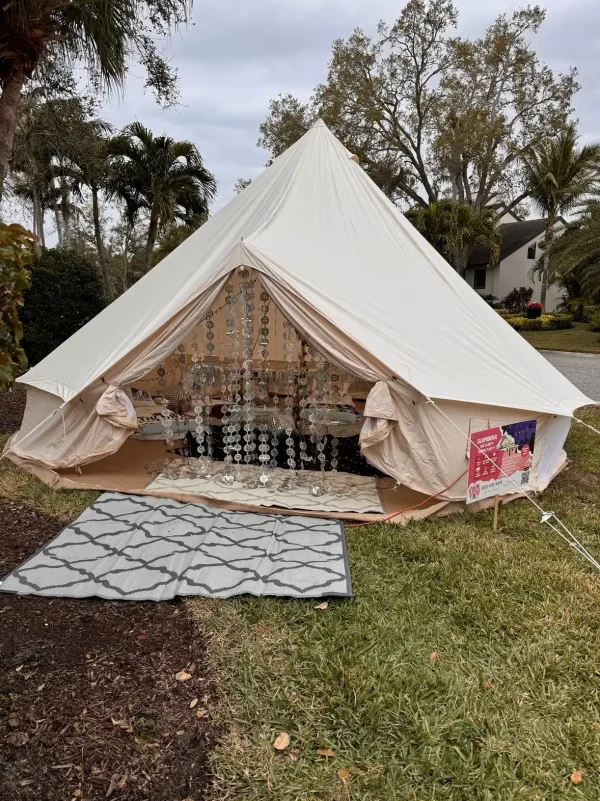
point(499, 459)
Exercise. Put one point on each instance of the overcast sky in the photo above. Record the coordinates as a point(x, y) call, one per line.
point(237, 56)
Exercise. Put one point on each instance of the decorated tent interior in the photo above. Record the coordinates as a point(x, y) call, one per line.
point(305, 350)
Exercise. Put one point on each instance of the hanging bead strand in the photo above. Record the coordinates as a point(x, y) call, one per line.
point(265, 478)
point(248, 415)
point(227, 476)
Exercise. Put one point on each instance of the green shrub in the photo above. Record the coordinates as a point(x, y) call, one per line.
point(556, 322)
point(589, 312)
point(65, 293)
point(595, 321)
point(547, 322)
point(17, 250)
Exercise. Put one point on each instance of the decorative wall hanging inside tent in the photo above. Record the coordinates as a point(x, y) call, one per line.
point(261, 411)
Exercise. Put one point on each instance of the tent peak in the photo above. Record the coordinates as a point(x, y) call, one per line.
point(318, 124)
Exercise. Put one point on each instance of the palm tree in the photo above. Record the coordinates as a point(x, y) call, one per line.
point(84, 163)
point(454, 229)
point(577, 252)
point(104, 34)
point(559, 175)
point(165, 178)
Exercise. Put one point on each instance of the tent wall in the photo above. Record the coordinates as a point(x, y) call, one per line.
point(424, 451)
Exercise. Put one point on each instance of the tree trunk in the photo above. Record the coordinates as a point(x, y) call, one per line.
point(9, 107)
point(42, 232)
point(152, 232)
point(125, 275)
point(100, 244)
point(66, 213)
point(548, 241)
point(59, 232)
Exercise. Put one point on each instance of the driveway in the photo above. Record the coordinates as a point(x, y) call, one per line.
point(582, 369)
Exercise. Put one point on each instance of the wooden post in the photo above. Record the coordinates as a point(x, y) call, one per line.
point(496, 505)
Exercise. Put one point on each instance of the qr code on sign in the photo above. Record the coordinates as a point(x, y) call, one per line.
point(525, 476)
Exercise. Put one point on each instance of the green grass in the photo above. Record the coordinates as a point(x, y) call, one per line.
point(579, 338)
point(507, 710)
point(63, 504)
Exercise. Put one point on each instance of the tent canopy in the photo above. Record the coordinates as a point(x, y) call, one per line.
point(316, 225)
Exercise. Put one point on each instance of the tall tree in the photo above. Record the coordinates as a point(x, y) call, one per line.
point(85, 164)
point(161, 177)
point(430, 114)
point(455, 228)
point(558, 176)
point(102, 34)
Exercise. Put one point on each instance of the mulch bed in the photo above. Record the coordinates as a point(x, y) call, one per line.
point(90, 706)
point(12, 406)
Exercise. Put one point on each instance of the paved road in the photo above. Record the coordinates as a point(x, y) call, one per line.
point(582, 369)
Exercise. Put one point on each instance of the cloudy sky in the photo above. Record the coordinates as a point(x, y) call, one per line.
point(237, 56)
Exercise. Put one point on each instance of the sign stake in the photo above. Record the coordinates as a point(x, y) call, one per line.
point(496, 505)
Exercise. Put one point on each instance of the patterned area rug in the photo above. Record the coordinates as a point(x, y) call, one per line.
point(145, 548)
point(345, 492)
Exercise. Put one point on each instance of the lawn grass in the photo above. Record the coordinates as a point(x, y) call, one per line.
point(22, 486)
point(580, 338)
point(466, 666)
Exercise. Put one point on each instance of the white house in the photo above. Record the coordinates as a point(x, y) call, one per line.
point(518, 253)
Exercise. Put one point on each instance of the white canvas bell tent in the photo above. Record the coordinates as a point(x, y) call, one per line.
point(358, 282)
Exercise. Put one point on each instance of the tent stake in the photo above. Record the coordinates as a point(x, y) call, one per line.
point(496, 505)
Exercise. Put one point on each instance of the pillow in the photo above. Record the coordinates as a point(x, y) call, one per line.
point(141, 396)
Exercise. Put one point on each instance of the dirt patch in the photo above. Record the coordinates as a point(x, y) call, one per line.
point(12, 407)
point(90, 706)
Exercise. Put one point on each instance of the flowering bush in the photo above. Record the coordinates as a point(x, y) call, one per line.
point(534, 310)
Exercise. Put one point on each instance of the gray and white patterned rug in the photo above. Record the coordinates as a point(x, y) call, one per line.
point(146, 548)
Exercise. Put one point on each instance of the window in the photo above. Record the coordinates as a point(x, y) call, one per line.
point(531, 251)
point(479, 276)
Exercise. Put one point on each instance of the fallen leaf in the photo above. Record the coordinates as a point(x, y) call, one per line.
point(193, 703)
point(183, 675)
point(122, 724)
point(281, 741)
point(577, 777)
point(344, 775)
point(180, 733)
point(488, 685)
point(324, 605)
point(14, 723)
point(78, 793)
point(433, 656)
point(202, 713)
point(326, 752)
point(260, 629)
point(17, 738)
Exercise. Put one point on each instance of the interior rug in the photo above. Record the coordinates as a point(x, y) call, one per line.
point(144, 548)
point(345, 492)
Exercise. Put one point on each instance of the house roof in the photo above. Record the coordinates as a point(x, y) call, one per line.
point(514, 236)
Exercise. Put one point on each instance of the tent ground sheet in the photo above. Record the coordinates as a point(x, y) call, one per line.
point(344, 492)
point(145, 548)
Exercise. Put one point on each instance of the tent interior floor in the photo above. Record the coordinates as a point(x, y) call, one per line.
point(125, 471)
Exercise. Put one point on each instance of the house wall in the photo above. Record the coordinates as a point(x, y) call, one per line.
point(513, 272)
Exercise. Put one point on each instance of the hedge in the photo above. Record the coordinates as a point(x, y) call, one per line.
point(547, 322)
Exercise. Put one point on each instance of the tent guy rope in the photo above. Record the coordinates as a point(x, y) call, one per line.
point(546, 517)
point(587, 425)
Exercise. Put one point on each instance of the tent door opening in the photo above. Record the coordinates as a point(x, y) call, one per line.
point(247, 403)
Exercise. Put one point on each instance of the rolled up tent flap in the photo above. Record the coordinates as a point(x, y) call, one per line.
point(116, 407)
